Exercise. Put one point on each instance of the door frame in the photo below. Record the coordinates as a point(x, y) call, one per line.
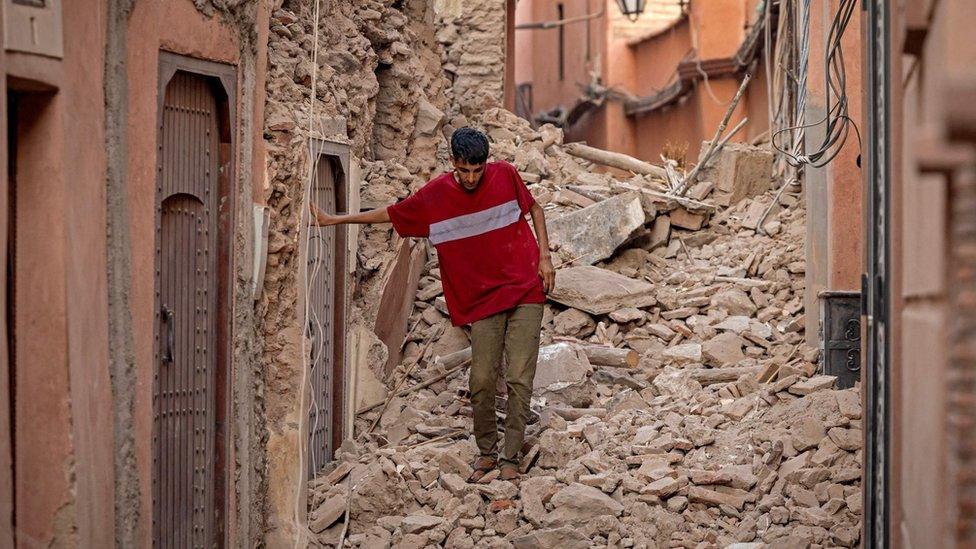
point(224, 76)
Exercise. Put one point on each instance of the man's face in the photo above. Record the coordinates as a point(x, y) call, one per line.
point(468, 175)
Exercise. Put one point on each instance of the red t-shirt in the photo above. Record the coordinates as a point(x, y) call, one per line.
point(489, 258)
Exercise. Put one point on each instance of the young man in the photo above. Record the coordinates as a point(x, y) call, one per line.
point(495, 278)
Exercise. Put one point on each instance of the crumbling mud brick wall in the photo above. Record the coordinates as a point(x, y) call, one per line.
point(379, 87)
point(473, 39)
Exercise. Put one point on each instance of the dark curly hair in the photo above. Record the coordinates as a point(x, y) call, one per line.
point(469, 145)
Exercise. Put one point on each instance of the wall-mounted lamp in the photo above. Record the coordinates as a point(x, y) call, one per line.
point(631, 8)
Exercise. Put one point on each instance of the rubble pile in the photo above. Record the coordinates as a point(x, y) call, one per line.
point(675, 403)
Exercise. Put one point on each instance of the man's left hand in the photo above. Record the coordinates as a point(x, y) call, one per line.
point(547, 272)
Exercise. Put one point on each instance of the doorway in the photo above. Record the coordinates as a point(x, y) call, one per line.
point(326, 268)
point(34, 371)
point(192, 300)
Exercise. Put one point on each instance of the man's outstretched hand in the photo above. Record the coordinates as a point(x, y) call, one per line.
point(323, 219)
point(547, 272)
point(320, 218)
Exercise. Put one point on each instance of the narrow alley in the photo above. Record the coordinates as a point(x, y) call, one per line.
point(267, 284)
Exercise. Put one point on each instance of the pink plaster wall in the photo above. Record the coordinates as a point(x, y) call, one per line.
point(175, 26)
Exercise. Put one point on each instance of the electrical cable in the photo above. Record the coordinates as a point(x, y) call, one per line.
point(836, 120)
point(302, 530)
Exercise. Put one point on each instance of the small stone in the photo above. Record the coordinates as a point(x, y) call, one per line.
point(627, 314)
point(808, 433)
point(785, 383)
point(564, 537)
point(739, 408)
point(682, 312)
point(450, 462)
point(663, 487)
point(414, 524)
point(812, 385)
point(327, 514)
point(849, 403)
point(723, 349)
point(578, 502)
point(735, 324)
point(735, 302)
point(472, 523)
point(697, 494)
point(686, 352)
point(561, 363)
point(677, 504)
point(454, 484)
point(846, 439)
point(660, 330)
point(680, 217)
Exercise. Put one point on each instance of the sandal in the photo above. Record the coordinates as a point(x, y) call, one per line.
point(510, 473)
point(482, 466)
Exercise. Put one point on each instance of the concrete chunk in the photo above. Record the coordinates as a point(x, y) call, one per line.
point(564, 537)
point(599, 291)
point(686, 352)
point(815, 383)
point(561, 363)
point(578, 502)
point(739, 171)
point(723, 349)
point(594, 232)
point(328, 513)
point(414, 524)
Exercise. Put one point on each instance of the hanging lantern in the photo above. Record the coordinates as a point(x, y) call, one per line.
point(631, 8)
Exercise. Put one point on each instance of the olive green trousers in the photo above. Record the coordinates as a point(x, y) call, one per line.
point(515, 333)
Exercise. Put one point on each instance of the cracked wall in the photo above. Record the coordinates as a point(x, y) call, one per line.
point(379, 89)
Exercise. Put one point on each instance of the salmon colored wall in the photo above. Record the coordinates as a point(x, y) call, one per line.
point(620, 70)
point(260, 187)
point(175, 26)
point(43, 451)
point(539, 62)
point(718, 27)
point(64, 431)
point(845, 191)
point(86, 286)
point(6, 459)
point(756, 103)
point(524, 60)
point(657, 58)
point(655, 65)
point(644, 68)
point(508, 85)
point(931, 245)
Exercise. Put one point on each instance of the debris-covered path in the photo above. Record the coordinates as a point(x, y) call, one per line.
point(707, 426)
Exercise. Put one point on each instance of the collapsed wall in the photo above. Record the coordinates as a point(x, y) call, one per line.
point(390, 85)
point(675, 402)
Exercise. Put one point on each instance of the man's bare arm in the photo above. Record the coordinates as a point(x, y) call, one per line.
point(546, 271)
point(322, 219)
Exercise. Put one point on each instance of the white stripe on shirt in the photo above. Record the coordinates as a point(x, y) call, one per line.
point(473, 224)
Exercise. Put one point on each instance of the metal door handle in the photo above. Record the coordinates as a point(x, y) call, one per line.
point(167, 314)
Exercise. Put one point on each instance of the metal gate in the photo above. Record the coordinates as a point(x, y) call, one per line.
point(325, 306)
point(184, 403)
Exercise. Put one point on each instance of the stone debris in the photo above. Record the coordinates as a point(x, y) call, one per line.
point(740, 171)
point(594, 232)
point(561, 363)
point(708, 426)
point(600, 291)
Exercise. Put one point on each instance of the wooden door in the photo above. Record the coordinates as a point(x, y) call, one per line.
point(186, 359)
